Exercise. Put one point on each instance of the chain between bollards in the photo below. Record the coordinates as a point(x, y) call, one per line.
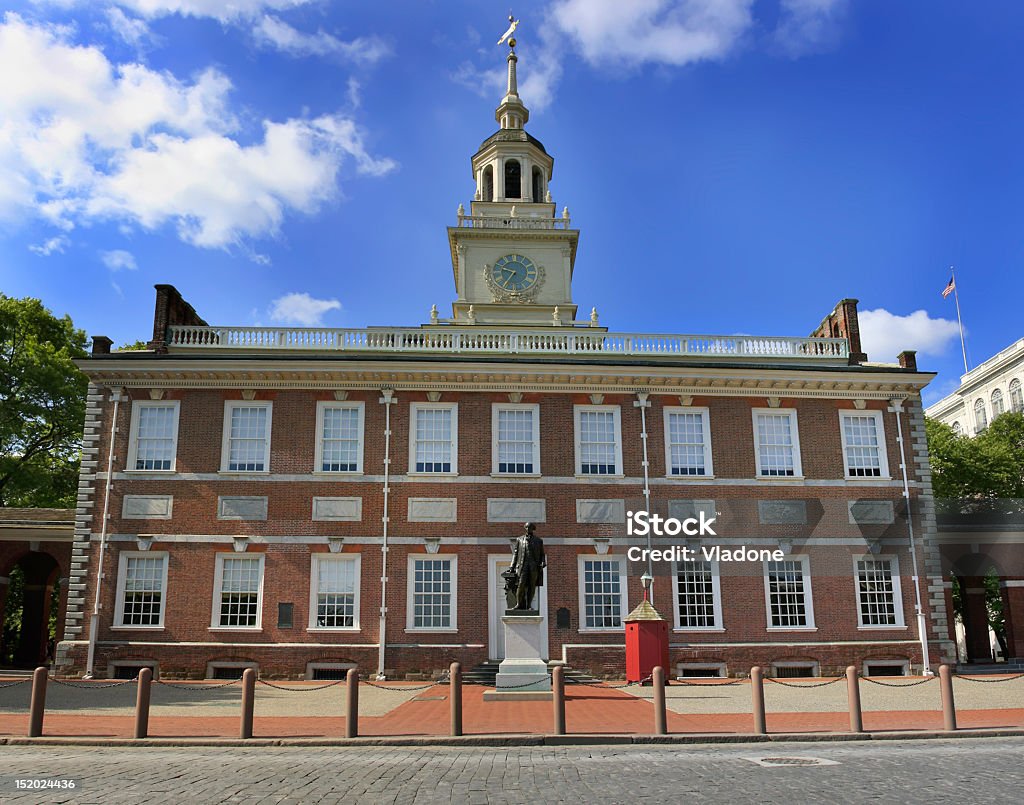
point(38, 705)
point(757, 696)
point(853, 697)
point(455, 694)
point(948, 704)
point(660, 716)
point(558, 699)
point(352, 703)
point(248, 702)
point(142, 703)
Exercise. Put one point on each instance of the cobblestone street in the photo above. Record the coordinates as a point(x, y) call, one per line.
point(976, 770)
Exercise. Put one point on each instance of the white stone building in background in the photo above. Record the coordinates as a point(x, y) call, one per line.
point(988, 390)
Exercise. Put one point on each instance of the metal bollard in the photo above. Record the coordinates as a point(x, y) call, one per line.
point(352, 703)
point(948, 704)
point(853, 697)
point(142, 703)
point(660, 717)
point(248, 701)
point(558, 698)
point(38, 705)
point(455, 692)
point(757, 694)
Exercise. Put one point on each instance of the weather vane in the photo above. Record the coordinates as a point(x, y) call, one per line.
point(513, 23)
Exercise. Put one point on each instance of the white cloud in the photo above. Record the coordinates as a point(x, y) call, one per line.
point(884, 335)
point(809, 26)
point(301, 308)
point(83, 139)
point(672, 32)
point(273, 32)
point(131, 29)
point(54, 245)
point(222, 10)
point(118, 260)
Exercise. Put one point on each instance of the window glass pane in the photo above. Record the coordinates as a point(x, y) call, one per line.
point(340, 440)
point(143, 590)
point(686, 436)
point(432, 594)
point(247, 445)
point(980, 417)
point(240, 591)
point(787, 595)
point(433, 440)
point(997, 403)
point(862, 446)
point(875, 592)
point(602, 594)
point(1016, 397)
point(515, 441)
point(155, 440)
point(775, 444)
point(597, 443)
point(696, 600)
point(336, 593)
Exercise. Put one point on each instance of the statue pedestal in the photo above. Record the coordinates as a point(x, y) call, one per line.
point(522, 675)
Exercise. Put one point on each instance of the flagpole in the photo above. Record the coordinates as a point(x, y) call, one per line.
point(959, 321)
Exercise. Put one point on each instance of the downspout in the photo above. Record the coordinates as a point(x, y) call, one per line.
point(922, 630)
point(387, 401)
point(643, 404)
point(94, 619)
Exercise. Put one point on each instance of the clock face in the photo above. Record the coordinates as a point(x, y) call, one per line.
point(515, 273)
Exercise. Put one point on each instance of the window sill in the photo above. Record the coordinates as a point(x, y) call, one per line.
point(235, 629)
point(431, 631)
point(338, 629)
point(515, 475)
point(236, 473)
point(149, 472)
point(431, 475)
point(336, 473)
point(138, 629)
point(616, 476)
point(867, 478)
point(780, 477)
point(709, 477)
point(898, 628)
point(612, 630)
point(791, 628)
point(696, 631)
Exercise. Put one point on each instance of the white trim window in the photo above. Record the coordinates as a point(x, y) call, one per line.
point(432, 595)
point(238, 592)
point(998, 407)
point(141, 590)
point(602, 583)
point(515, 439)
point(433, 438)
point(598, 439)
point(698, 596)
point(1016, 397)
point(776, 443)
point(246, 444)
point(687, 442)
point(864, 453)
point(153, 446)
point(334, 592)
point(980, 416)
point(879, 599)
point(787, 591)
point(339, 437)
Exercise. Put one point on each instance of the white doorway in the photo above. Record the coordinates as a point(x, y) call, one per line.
point(496, 565)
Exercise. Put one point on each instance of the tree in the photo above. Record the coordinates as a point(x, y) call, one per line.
point(42, 405)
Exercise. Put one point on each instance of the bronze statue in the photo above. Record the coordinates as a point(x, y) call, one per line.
point(526, 573)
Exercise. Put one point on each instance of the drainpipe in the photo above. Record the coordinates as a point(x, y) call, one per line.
point(94, 619)
point(922, 630)
point(387, 401)
point(643, 404)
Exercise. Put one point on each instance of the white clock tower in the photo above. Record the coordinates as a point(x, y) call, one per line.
point(512, 256)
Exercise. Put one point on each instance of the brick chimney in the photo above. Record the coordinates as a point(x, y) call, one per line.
point(101, 345)
point(842, 323)
point(908, 359)
point(171, 308)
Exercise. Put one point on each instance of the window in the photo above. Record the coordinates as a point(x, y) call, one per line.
point(432, 593)
point(879, 602)
point(515, 431)
point(602, 593)
point(513, 179)
point(698, 597)
point(246, 446)
point(339, 440)
point(141, 582)
point(238, 591)
point(1016, 397)
point(154, 436)
point(434, 442)
point(863, 444)
point(777, 443)
point(334, 592)
point(886, 668)
point(980, 418)
point(956, 428)
point(687, 442)
point(598, 443)
point(794, 670)
point(997, 403)
point(787, 587)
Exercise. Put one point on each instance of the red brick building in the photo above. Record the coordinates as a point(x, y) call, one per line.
point(306, 499)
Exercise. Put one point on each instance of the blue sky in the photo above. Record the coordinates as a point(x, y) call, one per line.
point(734, 166)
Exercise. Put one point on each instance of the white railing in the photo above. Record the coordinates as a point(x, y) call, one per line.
point(481, 340)
point(512, 222)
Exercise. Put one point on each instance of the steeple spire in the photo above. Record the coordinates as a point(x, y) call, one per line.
point(511, 113)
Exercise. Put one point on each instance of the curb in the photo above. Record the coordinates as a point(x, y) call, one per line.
point(520, 740)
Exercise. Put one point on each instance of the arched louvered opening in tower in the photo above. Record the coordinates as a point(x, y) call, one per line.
point(538, 185)
point(488, 184)
point(513, 179)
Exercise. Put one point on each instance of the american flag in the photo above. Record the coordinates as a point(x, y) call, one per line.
point(949, 288)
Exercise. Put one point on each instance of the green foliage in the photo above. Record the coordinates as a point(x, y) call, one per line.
point(134, 346)
point(981, 470)
point(42, 405)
